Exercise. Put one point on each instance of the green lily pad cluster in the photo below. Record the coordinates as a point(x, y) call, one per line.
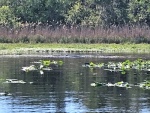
point(47, 63)
point(122, 67)
point(42, 65)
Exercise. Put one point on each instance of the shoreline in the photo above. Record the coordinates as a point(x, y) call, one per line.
point(45, 48)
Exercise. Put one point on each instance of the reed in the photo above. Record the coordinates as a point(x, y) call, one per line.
point(75, 34)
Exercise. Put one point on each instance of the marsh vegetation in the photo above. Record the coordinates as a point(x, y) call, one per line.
point(123, 68)
point(75, 34)
point(65, 21)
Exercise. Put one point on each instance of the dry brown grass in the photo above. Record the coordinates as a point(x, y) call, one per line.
point(75, 34)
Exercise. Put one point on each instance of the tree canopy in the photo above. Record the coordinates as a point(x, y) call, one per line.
point(83, 12)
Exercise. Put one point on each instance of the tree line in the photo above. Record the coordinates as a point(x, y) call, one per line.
point(75, 12)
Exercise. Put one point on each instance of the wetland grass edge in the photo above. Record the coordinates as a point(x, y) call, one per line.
point(47, 48)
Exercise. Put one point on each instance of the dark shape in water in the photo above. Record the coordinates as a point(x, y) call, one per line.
point(6, 93)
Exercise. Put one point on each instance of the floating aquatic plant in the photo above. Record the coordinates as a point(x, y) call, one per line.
point(29, 68)
point(122, 67)
point(45, 63)
point(42, 65)
point(117, 84)
point(97, 84)
point(92, 65)
point(14, 81)
point(145, 84)
point(123, 84)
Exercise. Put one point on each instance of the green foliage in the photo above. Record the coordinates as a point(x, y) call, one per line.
point(82, 14)
point(4, 3)
point(34, 11)
point(139, 11)
point(73, 12)
point(113, 12)
point(7, 18)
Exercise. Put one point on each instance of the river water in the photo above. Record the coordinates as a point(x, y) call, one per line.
point(67, 88)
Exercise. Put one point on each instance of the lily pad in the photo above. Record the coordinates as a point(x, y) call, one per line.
point(46, 63)
point(123, 84)
point(139, 64)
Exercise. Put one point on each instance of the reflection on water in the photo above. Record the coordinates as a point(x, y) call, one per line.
point(67, 88)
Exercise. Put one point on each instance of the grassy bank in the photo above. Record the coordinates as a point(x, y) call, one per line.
point(22, 48)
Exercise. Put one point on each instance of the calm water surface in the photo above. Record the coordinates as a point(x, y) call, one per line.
point(67, 88)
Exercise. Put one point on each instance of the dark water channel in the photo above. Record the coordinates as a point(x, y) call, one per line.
point(67, 88)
